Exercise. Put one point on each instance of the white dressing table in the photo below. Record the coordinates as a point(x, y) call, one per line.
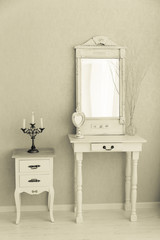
point(132, 145)
point(100, 114)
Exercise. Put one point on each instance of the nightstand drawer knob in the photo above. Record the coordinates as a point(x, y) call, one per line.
point(34, 166)
point(34, 180)
point(34, 191)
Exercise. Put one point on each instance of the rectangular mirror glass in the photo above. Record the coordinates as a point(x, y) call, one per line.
point(100, 85)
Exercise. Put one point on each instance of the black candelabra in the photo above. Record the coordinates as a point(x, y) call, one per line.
point(32, 131)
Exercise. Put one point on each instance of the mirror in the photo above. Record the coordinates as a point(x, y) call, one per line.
point(100, 86)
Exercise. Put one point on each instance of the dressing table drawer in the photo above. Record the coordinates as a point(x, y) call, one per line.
point(103, 147)
point(115, 147)
point(34, 165)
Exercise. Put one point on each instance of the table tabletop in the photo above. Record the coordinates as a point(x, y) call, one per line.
point(106, 138)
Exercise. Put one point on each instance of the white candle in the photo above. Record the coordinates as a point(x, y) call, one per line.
point(41, 121)
point(24, 123)
point(32, 117)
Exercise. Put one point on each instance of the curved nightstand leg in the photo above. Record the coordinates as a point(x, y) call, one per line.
point(51, 201)
point(135, 157)
point(18, 203)
point(79, 158)
point(127, 205)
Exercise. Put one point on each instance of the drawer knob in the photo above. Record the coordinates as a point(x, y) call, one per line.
point(34, 191)
point(34, 180)
point(34, 166)
point(108, 149)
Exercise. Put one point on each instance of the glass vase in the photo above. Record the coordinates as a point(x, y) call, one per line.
point(131, 129)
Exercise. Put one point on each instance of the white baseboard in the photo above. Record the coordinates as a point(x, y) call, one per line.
point(69, 207)
point(148, 205)
point(114, 206)
point(27, 208)
point(103, 206)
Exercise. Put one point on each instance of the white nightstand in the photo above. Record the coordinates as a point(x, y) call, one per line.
point(34, 175)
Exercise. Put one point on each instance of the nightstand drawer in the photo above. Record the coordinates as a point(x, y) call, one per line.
point(34, 165)
point(34, 180)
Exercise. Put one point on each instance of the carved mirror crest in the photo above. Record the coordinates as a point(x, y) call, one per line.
point(100, 86)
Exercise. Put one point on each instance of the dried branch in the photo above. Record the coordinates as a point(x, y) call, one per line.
point(135, 73)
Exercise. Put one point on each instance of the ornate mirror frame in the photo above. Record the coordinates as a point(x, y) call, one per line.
point(101, 47)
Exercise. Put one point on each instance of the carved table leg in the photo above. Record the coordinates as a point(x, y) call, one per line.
point(75, 185)
point(128, 182)
point(51, 200)
point(135, 157)
point(78, 159)
point(18, 203)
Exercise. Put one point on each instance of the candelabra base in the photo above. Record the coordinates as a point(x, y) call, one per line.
point(33, 150)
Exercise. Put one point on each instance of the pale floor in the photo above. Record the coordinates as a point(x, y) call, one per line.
point(98, 225)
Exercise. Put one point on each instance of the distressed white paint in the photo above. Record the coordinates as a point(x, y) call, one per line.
point(34, 175)
point(128, 144)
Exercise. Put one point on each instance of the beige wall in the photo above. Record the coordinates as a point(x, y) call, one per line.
point(37, 73)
